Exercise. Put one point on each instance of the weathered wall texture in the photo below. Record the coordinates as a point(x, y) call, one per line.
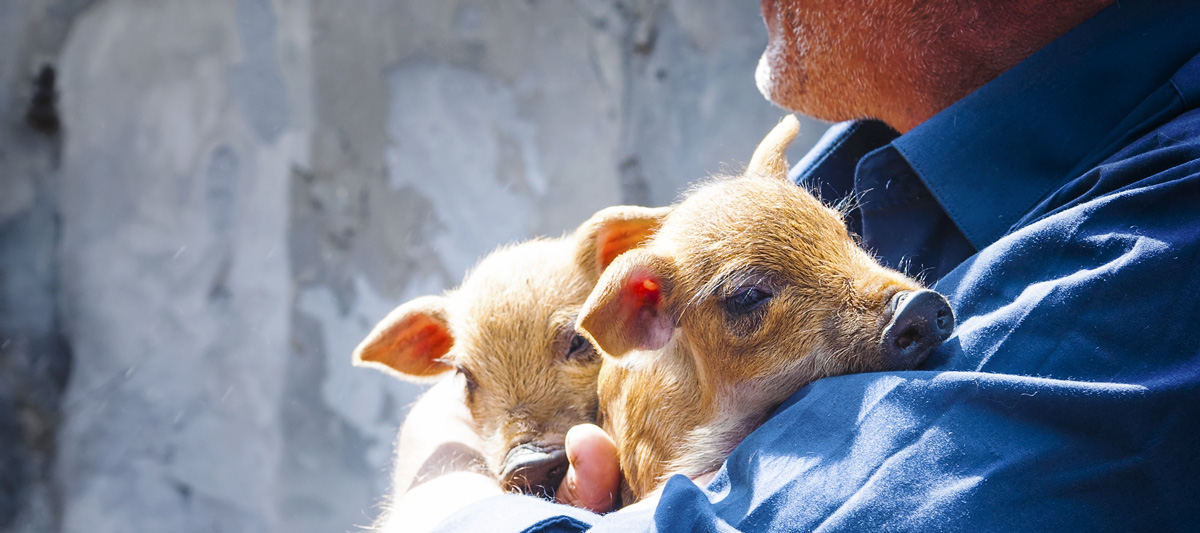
point(239, 189)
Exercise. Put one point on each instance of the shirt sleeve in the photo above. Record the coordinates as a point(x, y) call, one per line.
point(511, 512)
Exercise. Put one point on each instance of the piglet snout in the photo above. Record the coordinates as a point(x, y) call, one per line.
point(534, 470)
point(921, 320)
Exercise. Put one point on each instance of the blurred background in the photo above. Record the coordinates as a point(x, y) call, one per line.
point(204, 206)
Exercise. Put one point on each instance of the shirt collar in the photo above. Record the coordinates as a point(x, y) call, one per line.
point(994, 154)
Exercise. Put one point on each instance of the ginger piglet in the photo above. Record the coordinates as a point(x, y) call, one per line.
point(750, 289)
point(509, 331)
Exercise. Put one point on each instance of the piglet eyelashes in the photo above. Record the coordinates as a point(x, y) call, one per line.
point(469, 379)
point(746, 299)
point(579, 347)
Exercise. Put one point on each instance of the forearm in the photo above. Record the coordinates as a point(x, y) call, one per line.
point(421, 459)
point(425, 505)
point(439, 467)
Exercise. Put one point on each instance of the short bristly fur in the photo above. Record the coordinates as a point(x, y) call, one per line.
point(509, 330)
point(685, 379)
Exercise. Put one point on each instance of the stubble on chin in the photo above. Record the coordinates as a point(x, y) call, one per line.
point(813, 64)
point(784, 75)
point(780, 83)
point(764, 78)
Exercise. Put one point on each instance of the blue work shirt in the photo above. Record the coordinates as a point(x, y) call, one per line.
point(1058, 209)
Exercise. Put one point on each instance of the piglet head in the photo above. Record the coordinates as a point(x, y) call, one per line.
point(508, 332)
point(750, 289)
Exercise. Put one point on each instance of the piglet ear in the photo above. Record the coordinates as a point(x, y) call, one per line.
point(410, 341)
point(628, 309)
point(613, 231)
point(770, 158)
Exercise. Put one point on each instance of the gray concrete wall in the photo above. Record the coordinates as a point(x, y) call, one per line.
point(241, 188)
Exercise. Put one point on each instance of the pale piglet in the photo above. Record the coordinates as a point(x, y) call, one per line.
point(750, 289)
point(509, 331)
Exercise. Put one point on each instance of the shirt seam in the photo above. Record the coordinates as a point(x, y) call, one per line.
point(1182, 97)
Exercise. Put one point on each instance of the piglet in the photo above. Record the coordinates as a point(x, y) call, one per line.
point(509, 331)
point(750, 289)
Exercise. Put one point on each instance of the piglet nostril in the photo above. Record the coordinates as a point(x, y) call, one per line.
point(945, 318)
point(907, 338)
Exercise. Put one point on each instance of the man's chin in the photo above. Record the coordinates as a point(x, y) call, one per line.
point(789, 90)
point(764, 78)
point(768, 80)
point(776, 88)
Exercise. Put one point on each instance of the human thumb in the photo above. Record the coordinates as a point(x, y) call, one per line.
point(594, 477)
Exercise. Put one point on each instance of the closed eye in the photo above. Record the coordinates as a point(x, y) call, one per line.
point(472, 385)
point(579, 348)
point(745, 300)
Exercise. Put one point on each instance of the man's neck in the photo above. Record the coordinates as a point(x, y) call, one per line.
point(974, 44)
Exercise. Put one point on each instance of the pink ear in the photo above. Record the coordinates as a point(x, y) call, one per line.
point(410, 341)
point(613, 231)
point(628, 309)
